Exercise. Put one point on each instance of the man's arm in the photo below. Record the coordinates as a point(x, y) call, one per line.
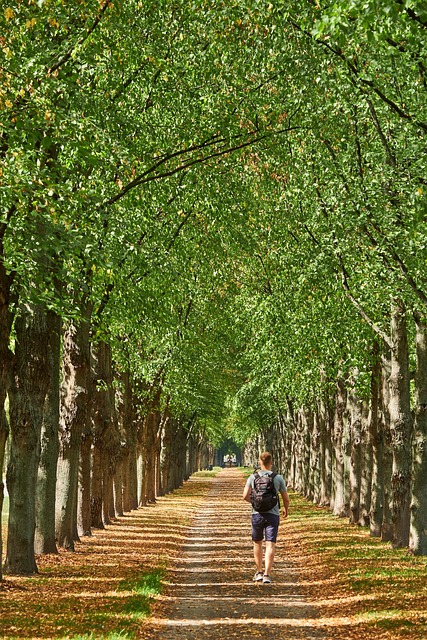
point(247, 493)
point(285, 498)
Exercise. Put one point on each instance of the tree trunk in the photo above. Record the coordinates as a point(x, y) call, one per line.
point(355, 406)
point(27, 393)
point(165, 459)
point(299, 452)
point(178, 452)
point(74, 416)
point(105, 424)
point(118, 489)
point(366, 469)
point(4, 432)
point(107, 489)
point(45, 538)
point(387, 456)
point(130, 483)
point(401, 428)
point(4, 429)
point(375, 440)
point(418, 526)
point(315, 459)
point(307, 425)
point(5, 367)
point(150, 457)
point(162, 486)
point(84, 516)
point(290, 439)
point(339, 500)
point(325, 421)
point(96, 490)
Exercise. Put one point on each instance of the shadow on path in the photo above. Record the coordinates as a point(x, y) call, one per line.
point(211, 593)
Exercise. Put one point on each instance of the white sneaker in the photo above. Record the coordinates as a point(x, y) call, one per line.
point(258, 576)
point(266, 579)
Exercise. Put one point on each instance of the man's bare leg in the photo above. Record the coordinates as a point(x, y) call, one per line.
point(270, 548)
point(258, 555)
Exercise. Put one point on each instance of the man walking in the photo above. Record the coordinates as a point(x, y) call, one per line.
point(261, 490)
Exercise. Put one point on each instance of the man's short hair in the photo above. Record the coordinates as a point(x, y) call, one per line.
point(265, 458)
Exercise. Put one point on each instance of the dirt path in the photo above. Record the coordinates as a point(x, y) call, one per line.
point(211, 593)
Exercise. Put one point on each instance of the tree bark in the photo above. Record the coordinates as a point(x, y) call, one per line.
point(84, 516)
point(6, 358)
point(315, 459)
point(401, 427)
point(366, 469)
point(74, 415)
point(324, 416)
point(107, 488)
point(105, 426)
point(27, 393)
point(45, 538)
point(307, 433)
point(96, 490)
point(418, 524)
point(118, 489)
point(150, 457)
point(387, 456)
point(128, 419)
point(166, 450)
point(162, 490)
point(4, 432)
point(339, 495)
point(375, 440)
point(355, 411)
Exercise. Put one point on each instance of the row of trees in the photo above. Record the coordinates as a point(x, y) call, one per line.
point(355, 454)
point(107, 270)
point(224, 206)
point(345, 361)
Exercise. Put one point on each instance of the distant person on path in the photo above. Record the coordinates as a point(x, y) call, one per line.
point(262, 491)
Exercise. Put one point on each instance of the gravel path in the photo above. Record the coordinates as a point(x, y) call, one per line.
point(211, 593)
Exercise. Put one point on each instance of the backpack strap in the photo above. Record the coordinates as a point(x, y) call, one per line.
point(277, 493)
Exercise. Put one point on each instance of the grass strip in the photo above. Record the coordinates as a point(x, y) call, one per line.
point(361, 587)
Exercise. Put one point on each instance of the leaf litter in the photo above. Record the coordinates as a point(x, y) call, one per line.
point(121, 582)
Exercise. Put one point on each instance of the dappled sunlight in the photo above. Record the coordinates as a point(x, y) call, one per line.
point(210, 587)
point(89, 581)
point(328, 579)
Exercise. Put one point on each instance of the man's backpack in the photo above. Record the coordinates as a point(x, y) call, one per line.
point(264, 495)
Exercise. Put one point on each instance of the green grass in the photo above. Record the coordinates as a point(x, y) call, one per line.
point(247, 471)
point(118, 616)
point(391, 583)
point(207, 474)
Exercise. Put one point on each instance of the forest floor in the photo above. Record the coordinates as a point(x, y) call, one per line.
point(182, 568)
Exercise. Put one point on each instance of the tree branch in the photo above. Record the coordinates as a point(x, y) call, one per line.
point(178, 229)
point(411, 13)
point(360, 82)
point(89, 32)
point(344, 279)
point(145, 177)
